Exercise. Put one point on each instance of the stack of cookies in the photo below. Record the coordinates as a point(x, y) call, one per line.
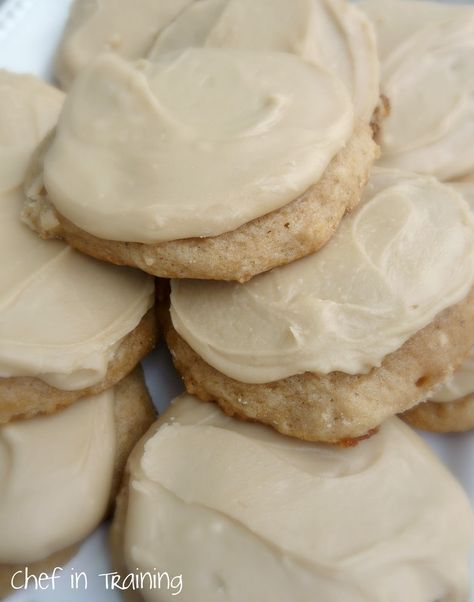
point(73, 402)
point(226, 147)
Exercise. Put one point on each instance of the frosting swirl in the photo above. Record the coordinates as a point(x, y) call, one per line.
point(52, 496)
point(195, 144)
point(402, 257)
point(330, 32)
point(427, 54)
point(213, 498)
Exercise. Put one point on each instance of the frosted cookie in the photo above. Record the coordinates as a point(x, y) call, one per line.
point(60, 473)
point(125, 28)
point(329, 32)
point(206, 163)
point(451, 407)
point(328, 347)
point(427, 56)
point(70, 326)
point(212, 499)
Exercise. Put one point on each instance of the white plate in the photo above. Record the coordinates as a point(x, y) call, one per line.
point(29, 33)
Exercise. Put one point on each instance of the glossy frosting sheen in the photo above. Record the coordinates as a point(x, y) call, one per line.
point(194, 144)
point(329, 32)
point(427, 54)
point(244, 513)
point(462, 383)
point(382, 277)
point(52, 496)
point(127, 28)
point(62, 314)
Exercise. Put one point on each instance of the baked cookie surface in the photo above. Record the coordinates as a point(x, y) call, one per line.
point(449, 417)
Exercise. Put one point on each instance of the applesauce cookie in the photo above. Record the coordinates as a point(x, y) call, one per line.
point(272, 511)
point(252, 169)
point(329, 358)
point(70, 326)
point(57, 494)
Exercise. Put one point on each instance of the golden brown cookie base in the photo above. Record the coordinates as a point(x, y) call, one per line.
point(297, 229)
point(451, 417)
point(133, 413)
point(337, 406)
point(24, 397)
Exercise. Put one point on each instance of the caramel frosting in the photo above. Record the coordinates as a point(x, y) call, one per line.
point(330, 32)
point(28, 110)
point(62, 314)
point(462, 383)
point(196, 143)
point(244, 513)
point(427, 55)
point(402, 257)
point(52, 496)
point(125, 28)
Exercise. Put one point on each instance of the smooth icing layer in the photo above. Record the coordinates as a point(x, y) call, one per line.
point(28, 110)
point(53, 495)
point(62, 314)
point(427, 54)
point(328, 32)
point(462, 383)
point(195, 144)
point(403, 256)
point(244, 513)
point(119, 26)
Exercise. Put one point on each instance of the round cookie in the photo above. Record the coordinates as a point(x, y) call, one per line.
point(210, 221)
point(208, 499)
point(277, 238)
point(88, 445)
point(119, 26)
point(427, 70)
point(337, 407)
point(70, 326)
point(330, 346)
